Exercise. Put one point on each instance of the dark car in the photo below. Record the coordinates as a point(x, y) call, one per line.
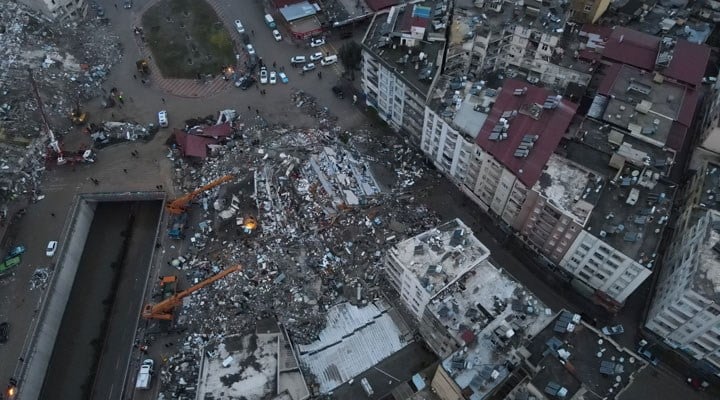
point(338, 92)
point(4, 330)
point(247, 82)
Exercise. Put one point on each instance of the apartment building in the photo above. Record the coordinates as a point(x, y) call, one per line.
point(421, 267)
point(61, 10)
point(686, 309)
point(522, 130)
point(401, 59)
point(587, 11)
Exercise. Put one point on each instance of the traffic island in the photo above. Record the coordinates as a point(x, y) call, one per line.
point(187, 39)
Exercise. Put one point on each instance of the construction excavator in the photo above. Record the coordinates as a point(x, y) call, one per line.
point(179, 205)
point(165, 309)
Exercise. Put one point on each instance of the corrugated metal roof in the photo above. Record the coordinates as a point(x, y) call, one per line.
point(192, 145)
point(376, 5)
point(689, 62)
point(550, 126)
point(631, 47)
point(297, 11)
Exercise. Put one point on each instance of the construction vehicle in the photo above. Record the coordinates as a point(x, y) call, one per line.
point(165, 309)
point(249, 223)
point(168, 286)
point(78, 116)
point(9, 265)
point(178, 225)
point(179, 205)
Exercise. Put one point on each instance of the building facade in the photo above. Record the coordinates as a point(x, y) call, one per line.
point(61, 10)
point(587, 11)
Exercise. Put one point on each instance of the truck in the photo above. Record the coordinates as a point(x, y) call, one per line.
point(145, 374)
point(8, 265)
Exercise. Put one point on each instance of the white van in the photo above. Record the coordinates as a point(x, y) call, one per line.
point(145, 374)
point(269, 21)
point(329, 60)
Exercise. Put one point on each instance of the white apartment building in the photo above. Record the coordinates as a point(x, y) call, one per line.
point(401, 58)
point(59, 9)
point(608, 272)
point(421, 267)
point(686, 308)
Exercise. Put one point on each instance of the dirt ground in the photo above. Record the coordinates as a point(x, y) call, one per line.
point(187, 38)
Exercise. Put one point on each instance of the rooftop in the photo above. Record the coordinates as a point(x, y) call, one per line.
point(524, 128)
point(463, 104)
point(441, 255)
point(710, 196)
point(667, 55)
point(353, 340)
point(494, 315)
point(634, 204)
point(580, 359)
point(296, 11)
point(570, 187)
point(646, 105)
point(405, 40)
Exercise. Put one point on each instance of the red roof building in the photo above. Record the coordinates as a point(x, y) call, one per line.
point(532, 114)
point(192, 145)
point(631, 47)
point(377, 5)
point(689, 61)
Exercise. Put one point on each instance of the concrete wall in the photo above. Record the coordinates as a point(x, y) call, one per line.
point(72, 243)
point(71, 249)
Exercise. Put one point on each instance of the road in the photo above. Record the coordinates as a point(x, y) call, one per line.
point(18, 303)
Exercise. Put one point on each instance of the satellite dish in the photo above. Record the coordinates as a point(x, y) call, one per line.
point(635, 173)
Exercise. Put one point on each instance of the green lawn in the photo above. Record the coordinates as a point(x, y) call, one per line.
point(187, 38)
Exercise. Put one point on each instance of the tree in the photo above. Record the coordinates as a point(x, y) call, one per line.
point(350, 55)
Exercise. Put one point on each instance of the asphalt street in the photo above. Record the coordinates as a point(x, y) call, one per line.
point(18, 304)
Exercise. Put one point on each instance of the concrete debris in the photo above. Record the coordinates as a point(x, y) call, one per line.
point(309, 215)
point(117, 132)
point(67, 68)
point(40, 278)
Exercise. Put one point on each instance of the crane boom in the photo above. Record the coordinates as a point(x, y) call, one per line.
point(178, 205)
point(46, 125)
point(164, 309)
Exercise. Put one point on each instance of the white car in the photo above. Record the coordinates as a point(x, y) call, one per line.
point(273, 77)
point(329, 60)
point(263, 76)
point(250, 49)
point(162, 119)
point(239, 26)
point(316, 56)
point(51, 248)
point(308, 67)
point(298, 60)
point(317, 42)
point(277, 35)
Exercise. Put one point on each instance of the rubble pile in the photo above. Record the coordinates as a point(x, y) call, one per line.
point(324, 222)
point(112, 132)
point(68, 70)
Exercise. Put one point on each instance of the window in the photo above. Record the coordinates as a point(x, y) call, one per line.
point(544, 47)
point(588, 7)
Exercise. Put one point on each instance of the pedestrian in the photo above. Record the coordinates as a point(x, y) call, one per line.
point(121, 99)
point(252, 31)
point(142, 81)
point(125, 170)
point(257, 111)
point(115, 5)
point(163, 100)
point(52, 214)
point(21, 359)
point(274, 64)
point(161, 187)
point(112, 115)
point(249, 108)
point(134, 76)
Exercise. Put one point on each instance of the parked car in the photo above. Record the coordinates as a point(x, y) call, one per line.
point(317, 42)
point(277, 35)
point(613, 330)
point(308, 67)
point(249, 81)
point(338, 92)
point(163, 119)
point(273, 77)
point(250, 49)
point(646, 354)
point(298, 60)
point(51, 248)
point(15, 251)
point(128, 4)
point(263, 75)
point(329, 60)
point(4, 332)
point(100, 11)
point(239, 26)
point(283, 77)
point(316, 56)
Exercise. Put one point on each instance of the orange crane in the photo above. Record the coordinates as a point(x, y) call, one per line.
point(179, 205)
point(164, 309)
